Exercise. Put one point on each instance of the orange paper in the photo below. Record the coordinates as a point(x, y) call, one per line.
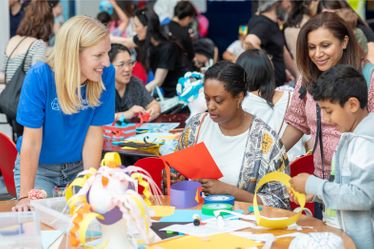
point(194, 162)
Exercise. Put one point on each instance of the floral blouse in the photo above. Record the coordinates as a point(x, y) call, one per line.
point(264, 153)
point(301, 114)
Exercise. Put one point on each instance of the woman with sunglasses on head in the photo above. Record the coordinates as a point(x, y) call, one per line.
point(131, 96)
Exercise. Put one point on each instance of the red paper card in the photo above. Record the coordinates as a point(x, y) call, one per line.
point(194, 162)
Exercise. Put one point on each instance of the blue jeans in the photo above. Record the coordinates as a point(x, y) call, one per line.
point(49, 176)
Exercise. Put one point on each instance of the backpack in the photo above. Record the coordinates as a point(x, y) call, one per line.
point(9, 97)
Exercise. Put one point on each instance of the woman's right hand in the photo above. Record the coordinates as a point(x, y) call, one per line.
point(22, 205)
point(135, 110)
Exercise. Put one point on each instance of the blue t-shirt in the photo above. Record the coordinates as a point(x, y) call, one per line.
point(63, 135)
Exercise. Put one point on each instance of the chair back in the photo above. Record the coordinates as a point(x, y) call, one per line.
point(303, 164)
point(154, 166)
point(8, 154)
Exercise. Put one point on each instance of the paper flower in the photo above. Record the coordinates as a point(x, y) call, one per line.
point(109, 195)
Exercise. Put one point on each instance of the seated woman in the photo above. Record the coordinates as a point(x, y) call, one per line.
point(131, 96)
point(242, 145)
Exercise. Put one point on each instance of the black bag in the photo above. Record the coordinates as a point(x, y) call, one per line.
point(9, 97)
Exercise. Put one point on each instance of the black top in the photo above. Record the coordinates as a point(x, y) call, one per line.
point(15, 21)
point(135, 94)
point(182, 35)
point(272, 41)
point(367, 31)
point(167, 55)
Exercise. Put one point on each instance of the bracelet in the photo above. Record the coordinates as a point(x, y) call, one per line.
point(23, 197)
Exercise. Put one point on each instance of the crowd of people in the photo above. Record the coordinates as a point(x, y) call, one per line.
point(299, 77)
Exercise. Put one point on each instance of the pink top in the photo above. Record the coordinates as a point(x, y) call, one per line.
point(301, 114)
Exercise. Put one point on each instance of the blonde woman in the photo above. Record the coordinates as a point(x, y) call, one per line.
point(62, 107)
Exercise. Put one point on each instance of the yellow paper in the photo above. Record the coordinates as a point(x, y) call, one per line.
point(218, 241)
point(275, 222)
point(111, 160)
point(162, 211)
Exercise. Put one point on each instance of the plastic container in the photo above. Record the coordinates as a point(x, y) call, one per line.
point(53, 212)
point(20, 230)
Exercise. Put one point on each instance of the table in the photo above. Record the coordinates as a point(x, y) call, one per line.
point(129, 157)
point(318, 225)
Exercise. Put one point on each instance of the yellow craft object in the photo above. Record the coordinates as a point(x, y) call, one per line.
point(111, 160)
point(78, 182)
point(147, 191)
point(277, 222)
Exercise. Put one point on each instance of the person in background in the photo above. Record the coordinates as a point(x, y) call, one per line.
point(178, 28)
point(16, 12)
point(30, 43)
point(122, 19)
point(300, 13)
point(243, 146)
point(341, 92)
point(131, 96)
point(63, 105)
point(206, 54)
point(351, 18)
point(334, 5)
point(58, 19)
point(238, 46)
point(324, 42)
point(156, 52)
point(263, 99)
point(58, 14)
point(264, 33)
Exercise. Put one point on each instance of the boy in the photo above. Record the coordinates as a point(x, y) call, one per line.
point(341, 92)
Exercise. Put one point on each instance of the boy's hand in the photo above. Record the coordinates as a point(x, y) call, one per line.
point(298, 182)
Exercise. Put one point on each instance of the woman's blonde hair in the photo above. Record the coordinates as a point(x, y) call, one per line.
point(75, 35)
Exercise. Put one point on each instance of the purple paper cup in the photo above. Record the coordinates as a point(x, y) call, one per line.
point(183, 194)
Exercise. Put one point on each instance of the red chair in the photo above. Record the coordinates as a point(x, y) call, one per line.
point(8, 154)
point(154, 166)
point(302, 164)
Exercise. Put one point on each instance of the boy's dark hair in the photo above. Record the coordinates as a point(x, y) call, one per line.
point(340, 83)
point(184, 9)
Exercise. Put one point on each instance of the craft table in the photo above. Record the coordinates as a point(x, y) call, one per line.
point(129, 157)
point(318, 225)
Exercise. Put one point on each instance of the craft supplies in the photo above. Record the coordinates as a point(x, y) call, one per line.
point(283, 221)
point(208, 209)
point(185, 194)
point(107, 195)
point(228, 199)
point(196, 219)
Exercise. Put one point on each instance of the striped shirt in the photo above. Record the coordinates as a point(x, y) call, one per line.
point(36, 53)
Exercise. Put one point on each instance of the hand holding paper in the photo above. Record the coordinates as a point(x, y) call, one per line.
point(194, 162)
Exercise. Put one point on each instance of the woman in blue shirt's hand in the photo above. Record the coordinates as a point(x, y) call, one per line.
point(63, 105)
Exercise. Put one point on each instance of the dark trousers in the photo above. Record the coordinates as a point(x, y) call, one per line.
point(318, 208)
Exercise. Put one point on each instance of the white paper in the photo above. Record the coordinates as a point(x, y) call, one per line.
point(210, 228)
point(49, 237)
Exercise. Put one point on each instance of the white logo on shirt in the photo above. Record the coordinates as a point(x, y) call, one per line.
point(54, 105)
